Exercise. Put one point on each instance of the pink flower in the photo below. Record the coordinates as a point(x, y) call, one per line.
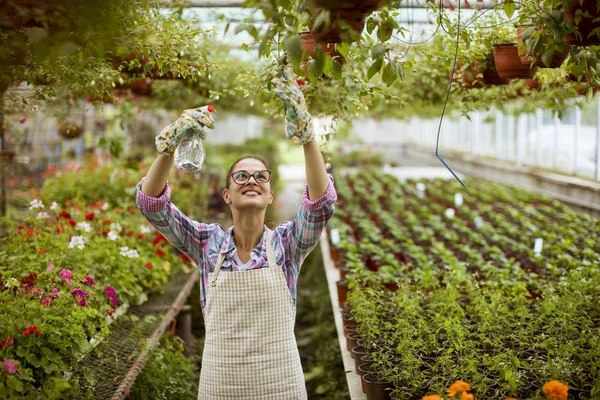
point(88, 281)
point(24, 119)
point(47, 301)
point(11, 366)
point(111, 295)
point(54, 293)
point(66, 274)
point(78, 292)
point(81, 302)
point(50, 266)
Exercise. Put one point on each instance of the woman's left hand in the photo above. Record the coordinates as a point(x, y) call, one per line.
point(298, 121)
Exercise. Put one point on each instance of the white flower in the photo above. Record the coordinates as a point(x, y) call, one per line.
point(42, 215)
point(36, 204)
point(112, 235)
point(84, 226)
point(54, 205)
point(116, 227)
point(145, 229)
point(131, 253)
point(104, 206)
point(78, 241)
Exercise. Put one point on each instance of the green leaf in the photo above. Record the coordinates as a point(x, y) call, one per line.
point(314, 69)
point(374, 68)
point(390, 74)
point(528, 32)
point(371, 25)
point(342, 48)
point(384, 33)
point(293, 46)
point(509, 8)
point(323, 20)
point(547, 57)
point(149, 65)
point(336, 69)
point(327, 65)
point(378, 51)
point(290, 20)
point(320, 57)
point(515, 362)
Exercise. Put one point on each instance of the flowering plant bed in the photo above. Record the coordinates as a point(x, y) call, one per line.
point(496, 287)
point(64, 271)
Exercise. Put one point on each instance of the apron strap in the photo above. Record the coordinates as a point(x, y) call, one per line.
point(270, 251)
point(220, 259)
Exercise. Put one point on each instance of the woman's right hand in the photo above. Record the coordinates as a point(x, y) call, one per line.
point(191, 122)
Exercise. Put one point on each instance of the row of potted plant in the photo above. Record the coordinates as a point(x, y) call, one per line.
point(438, 296)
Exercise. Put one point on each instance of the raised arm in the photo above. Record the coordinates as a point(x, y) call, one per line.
point(316, 174)
point(157, 175)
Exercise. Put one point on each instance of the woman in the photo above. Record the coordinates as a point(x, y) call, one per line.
point(248, 272)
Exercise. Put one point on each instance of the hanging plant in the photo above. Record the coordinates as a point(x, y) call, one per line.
point(69, 129)
point(548, 54)
point(584, 17)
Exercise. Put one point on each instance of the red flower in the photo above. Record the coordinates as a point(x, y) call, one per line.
point(4, 343)
point(133, 210)
point(77, 207)
point(30, 280)
point(23, 119)
point(141, 236)
point(106, 222)
point(185, 258)
point(57, 229)
point(90, 217)
point(159, 239)
point(129, 233)
point(69, 203)
point(117, 210)
point(148, 265)
point(32, 329)
point(71, 222)
point(159, 252)
point(42, 251)
point(300, 83)
point(105, 233)
point(64, 214)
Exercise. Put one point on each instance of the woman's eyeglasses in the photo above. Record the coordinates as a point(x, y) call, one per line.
point(242, 177)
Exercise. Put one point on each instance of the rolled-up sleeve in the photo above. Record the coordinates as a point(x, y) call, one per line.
point(190, 237)
point(301, 235)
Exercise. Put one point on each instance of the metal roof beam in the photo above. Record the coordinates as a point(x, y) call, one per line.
point(450, 4)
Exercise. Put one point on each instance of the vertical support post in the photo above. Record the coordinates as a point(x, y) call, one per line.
point(498, 134)
point(598, 141)
point(475, 133)
point(3, 148)
point(555, 144)
point(521, 139)
point(539, 114)
point(185, 322)
point(576, 140)
point(510, 140)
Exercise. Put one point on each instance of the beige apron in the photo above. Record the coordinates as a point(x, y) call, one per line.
point(250, 351)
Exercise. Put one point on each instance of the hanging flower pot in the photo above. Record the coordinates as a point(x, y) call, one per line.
point(508, 64)
point(586, 25)
point(141, 87)
point(343, 21)
point(477, 75)
point(527, 55)
point(363, 5)
point(69, 130)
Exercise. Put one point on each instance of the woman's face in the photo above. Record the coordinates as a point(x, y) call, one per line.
point(252, 194)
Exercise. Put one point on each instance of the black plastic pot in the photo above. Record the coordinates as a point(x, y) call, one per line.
point(377, 388)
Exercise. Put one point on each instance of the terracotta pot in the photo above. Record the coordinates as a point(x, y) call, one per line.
point(69, 130)
point(342, 289)
point(141, 87)
point(508, 63)
point(355, 19)
point(586, 25)
point(527, 56)
point(376, 388)
point(363, 5)
point(532, 84)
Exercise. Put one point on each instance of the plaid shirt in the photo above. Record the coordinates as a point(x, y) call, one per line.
point(202, 243)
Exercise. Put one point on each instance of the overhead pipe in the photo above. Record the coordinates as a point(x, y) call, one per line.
point(449, 4)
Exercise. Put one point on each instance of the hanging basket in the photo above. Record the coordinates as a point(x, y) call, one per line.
point(586, 25)
point(141, 87)
point(477, 75)
point(362, 5)
point(69, 130)
point(342, 21)
point(508, 64)
point(526, 56)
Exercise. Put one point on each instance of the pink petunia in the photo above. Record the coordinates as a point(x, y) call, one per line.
point(11, 366)
point(111, 295)
point(47, 301)
point(66, 274)
point(50, 267)
point(54, 293)
point(88, 280)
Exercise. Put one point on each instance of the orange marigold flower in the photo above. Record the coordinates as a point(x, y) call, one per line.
point(432, 397)
point(466, 396)
point(556, 390)
point(458, 387)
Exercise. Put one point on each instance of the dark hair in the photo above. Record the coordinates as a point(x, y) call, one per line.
point(227, 181)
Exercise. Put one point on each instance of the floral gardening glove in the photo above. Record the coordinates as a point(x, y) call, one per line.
point(298, 122)
point(191, 122)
